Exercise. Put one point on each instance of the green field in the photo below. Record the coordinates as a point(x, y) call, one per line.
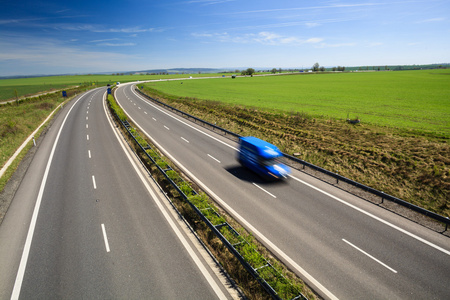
point(29, 86)
point(417, 100)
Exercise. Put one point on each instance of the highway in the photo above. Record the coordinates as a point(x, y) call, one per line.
point(344, 247)
point(87, 222)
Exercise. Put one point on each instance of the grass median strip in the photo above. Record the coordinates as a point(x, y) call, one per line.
point(410, 162)
point(194, 205)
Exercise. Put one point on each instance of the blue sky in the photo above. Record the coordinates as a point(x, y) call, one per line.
point(54, 37)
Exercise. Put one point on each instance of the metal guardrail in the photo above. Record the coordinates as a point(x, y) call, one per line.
point(373, 191)
point(255, 271)
point(291, 160)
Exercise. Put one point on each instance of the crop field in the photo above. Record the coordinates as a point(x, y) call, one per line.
point(29, 86)
point(400, 147)
point(417, 100)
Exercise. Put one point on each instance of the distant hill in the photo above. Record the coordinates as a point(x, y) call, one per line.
point(184, 70)
point(399, 67)
point(266, 69)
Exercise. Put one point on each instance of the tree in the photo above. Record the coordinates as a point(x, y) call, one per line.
point(273, 71)
point(249, 71)
point(322, 69)
point(315, 67)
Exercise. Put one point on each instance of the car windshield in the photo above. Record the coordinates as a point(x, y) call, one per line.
point(269, 162)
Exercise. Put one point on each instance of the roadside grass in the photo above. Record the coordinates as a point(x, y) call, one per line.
point(18, 121)
point(288, 285)
point(413, 100)
point(30, 86)
point(411, 165)
point(9, 92)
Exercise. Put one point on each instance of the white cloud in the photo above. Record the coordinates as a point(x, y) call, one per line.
point(116, 45)
point(104, 40)
point(338, 45)
point(266, 37)
point(102, 29)
point(314, 40)
point(200, 35)
point(375, 44)
point(431, 20)
point(331, 6)
point(47, 54)
point(263, 37)
point(311, 24)
point(208, 2)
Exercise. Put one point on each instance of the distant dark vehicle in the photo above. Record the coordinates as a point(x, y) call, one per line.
point(262, 158)
point(108, 84)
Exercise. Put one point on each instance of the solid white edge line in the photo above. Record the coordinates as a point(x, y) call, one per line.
point(263, 190)
point(182, 239)
point(182, 122)
point(372, 257)
point(299, 180)
point(105, 238)
point(93, 181)
point(311, 280)
point(374, 217)
point(26, 250)
point(214, 158)
point(334, 197)
point(12, 158)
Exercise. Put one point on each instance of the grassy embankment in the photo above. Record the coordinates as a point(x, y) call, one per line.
point(252, 251)
point(31, 86)
point(18, 121)
point(400, 147)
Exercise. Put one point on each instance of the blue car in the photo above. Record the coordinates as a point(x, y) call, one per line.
point(262, 158)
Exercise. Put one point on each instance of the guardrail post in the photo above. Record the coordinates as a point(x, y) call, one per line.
point(361, 186)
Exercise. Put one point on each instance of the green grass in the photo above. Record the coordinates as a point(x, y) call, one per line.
point(413, 165)
point(17, 122)
point(29, 86)
point(417, 100)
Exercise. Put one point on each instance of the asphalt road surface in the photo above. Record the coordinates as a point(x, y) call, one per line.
point(87, 223)
point(343, 246)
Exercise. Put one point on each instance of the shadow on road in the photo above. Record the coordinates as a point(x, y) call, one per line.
point(245, 174)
